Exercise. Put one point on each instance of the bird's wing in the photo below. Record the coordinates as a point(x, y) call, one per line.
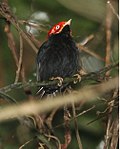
point(39, 59)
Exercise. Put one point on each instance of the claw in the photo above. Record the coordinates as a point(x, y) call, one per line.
point(59, 79)
point(78, 78)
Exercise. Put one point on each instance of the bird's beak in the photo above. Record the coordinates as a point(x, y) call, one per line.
point(68, 22)
point(65, 24)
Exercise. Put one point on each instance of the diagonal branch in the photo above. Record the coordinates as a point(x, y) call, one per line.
point(34, 107)
point(7, 14)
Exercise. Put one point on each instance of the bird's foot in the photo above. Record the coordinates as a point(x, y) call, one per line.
point(78, 78)
point(59, 79)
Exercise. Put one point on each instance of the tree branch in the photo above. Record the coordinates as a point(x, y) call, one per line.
point(7, 14)
point(34, 107)
point(96, 76)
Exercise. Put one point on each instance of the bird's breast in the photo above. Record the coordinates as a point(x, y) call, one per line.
point(60, 59)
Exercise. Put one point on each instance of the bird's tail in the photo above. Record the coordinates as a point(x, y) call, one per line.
point(51, 91)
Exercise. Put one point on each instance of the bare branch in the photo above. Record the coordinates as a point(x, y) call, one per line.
point(26, 143)
point(115, 133)
point(9, 17)
point(20, 61)
point(86, 40)
point(11, 42)
point(110, 124)
point(76, 127)
point(34, 107)
point(78, 115)
point(113, 9)
point(108, 37)
point(90, 52)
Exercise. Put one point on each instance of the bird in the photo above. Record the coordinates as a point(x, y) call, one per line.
point(58, 57)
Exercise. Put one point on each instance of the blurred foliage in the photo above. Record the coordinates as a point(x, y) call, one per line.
point(88, 17)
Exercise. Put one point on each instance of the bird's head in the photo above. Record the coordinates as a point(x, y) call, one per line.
point(59, 27)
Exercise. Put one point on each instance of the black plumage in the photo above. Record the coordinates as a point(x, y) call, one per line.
point(58, 57)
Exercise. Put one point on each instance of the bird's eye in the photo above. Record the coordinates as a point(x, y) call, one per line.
point(57, 27)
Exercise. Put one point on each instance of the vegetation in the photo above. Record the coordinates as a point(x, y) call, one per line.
point(91, 118)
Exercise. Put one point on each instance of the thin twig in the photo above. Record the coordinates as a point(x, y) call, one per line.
point(90, 52)
point(34, 40)
point(85, 111)
point(113, 9)
point(49, 120)
point(78, 115)
point(33, 24)
point(55, 138)
point(9, 17)
point(115, 133)
point(109, 122)
point(86, 40)
point(7, 97)
point(67, 135)
point(76, 127)
point(22, 146)
point(107, 62)
point(108, 37)
point(20, 60)
point(107, 136)
point(11, 42)
point(114, 127)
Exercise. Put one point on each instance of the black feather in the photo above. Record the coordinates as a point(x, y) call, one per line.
point(58, 57)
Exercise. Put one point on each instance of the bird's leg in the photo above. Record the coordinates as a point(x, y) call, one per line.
point(60, 79)
point(78, 78)
point(78, 75)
